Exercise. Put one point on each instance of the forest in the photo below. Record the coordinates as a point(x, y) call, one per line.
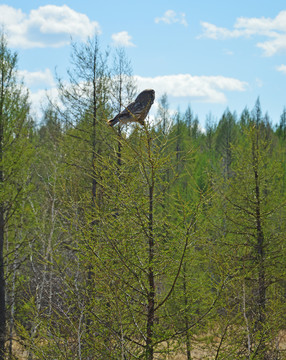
point(161, 241)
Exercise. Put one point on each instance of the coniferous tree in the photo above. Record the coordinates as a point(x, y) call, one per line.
point(143, 241)
point(281, 130)
point(15, 159)
point(226, 135)
point(248, 235)
point(163, 115)
point(122, 88)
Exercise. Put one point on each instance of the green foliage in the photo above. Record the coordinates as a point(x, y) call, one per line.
point(247, 236)
point(139, 242)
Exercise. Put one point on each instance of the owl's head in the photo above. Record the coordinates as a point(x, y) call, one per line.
point(147, 96)
point(151, 93)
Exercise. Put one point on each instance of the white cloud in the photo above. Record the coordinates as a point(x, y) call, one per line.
point(214, 32)
point(228, 52)
point(179, 87)
point(40, 99)
point(40, 85)
point(259, 82)
point(201, 88)
point(49, 25)
point(274, 46)
point(273, 29)
point(281, 68)
point(122, 38)
point(37, 78)
point(171, 17)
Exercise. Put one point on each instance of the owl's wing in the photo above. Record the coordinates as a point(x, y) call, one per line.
point(127, 111)
point(136, 108)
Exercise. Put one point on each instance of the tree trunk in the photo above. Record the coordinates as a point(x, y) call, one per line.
point(261, 301)
point(151, 294)
point(2, 222)
point(13, 298)
point(119, 126)
point(2, 282)
point(187, 324)
point(94, 199)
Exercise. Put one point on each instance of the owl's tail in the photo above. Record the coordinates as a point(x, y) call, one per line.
point(112, 122)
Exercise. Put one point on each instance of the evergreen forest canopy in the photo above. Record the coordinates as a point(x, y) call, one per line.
point(139, 242)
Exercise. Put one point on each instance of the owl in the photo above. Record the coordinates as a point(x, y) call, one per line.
point(137, 110)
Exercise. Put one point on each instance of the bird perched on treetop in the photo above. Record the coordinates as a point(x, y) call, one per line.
point(137, 110)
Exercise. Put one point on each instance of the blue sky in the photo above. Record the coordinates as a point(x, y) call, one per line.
point(211, 55)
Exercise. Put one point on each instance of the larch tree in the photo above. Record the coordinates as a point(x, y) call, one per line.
point(163, 115)
point(15, 159)
point(82, 119)
point(122, 90)
point(147, 243)
point(43, 282)
point(226, 136)
point(82, 98)
point(248, 242)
